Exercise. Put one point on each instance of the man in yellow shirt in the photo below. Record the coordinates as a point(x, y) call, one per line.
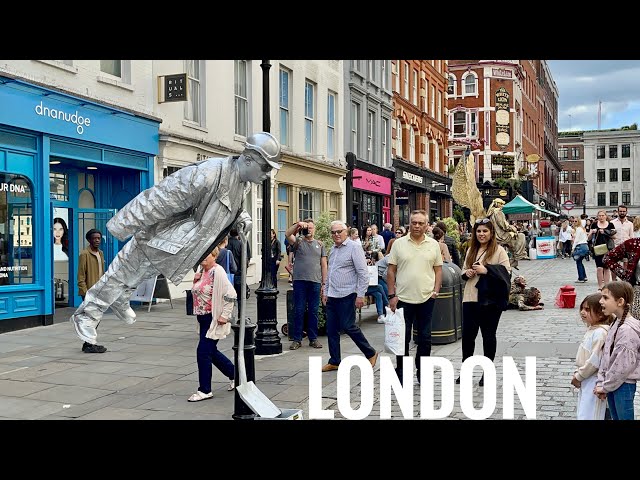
point(414, 278)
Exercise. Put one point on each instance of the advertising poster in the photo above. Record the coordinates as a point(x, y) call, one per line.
point(545, 247)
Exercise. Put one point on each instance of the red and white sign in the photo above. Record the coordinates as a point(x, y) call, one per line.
point(371, 182)
point(568, 205)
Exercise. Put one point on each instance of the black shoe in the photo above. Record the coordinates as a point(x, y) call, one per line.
point(458, 381)
point(400, 375)
point(91, 348)
point(481, 383)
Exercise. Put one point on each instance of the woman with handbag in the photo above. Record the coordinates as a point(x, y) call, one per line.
point(213, 296)
point(601, 237)
point(580, 249)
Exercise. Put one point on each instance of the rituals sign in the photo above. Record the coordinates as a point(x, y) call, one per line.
point(174, 88)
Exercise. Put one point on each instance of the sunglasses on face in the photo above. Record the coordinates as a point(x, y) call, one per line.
point(336, 232)
point(482, 221)
point(398, 233)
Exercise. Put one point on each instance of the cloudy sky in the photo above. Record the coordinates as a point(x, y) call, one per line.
point(584, 83)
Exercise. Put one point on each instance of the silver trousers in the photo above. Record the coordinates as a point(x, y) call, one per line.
point(128, 270)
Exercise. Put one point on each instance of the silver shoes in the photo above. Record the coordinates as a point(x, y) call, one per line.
point(86, 333)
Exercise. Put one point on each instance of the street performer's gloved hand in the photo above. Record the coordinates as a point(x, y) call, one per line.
point(244, 223)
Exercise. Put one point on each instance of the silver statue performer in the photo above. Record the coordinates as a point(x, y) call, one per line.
point(507, 235)
point(175, 225)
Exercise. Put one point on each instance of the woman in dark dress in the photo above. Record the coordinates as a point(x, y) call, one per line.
point(602, 232)
point(275, 257)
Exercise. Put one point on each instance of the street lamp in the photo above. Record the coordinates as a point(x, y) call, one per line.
point(267, 338)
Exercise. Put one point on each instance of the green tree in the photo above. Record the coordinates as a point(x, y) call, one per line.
point(323, 233)
point(458, 214)
point(452, 228)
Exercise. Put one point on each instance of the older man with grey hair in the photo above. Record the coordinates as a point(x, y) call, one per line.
point(342, 295)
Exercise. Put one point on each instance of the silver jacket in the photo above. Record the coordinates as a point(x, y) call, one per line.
point(177, 222)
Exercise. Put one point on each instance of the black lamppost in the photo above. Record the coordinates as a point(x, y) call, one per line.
point(584, 198)
point(267, 338)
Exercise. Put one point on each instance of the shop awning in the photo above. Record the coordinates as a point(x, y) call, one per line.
point(522, 205)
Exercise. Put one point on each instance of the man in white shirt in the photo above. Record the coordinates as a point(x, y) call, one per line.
point(624, 229)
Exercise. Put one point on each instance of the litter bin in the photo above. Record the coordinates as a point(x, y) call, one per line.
point(446, 324)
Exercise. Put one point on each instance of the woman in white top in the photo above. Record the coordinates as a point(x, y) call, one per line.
point(580, 249)
point(636, 226)
point(565, 238)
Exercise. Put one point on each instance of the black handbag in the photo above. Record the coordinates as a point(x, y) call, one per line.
point(189, 302)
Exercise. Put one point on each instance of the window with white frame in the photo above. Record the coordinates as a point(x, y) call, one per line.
point(470, 84)
point(331, 125)
point(439, 117)
point(564, 176)
point(436, 156)
point(241, 97)
point(439, 66)
point(193, 107)
point(399, 138)
point(459, 124)
point(372, 71)
point(415, 87)
point(355, 121)
point(383, 73)
point(426, 152)
point(308, 204)
point(406, 80)
point(309, 112)
point(370, 136)
point(473, 124)
point(433, 101)
point(384, 144)
point(395, 76)
point(285, 95)
point(412, 146)
point(451, 87)
point(112, 67)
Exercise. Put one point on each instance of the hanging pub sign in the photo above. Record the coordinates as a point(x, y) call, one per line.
point(172, 88)
point(502, 117)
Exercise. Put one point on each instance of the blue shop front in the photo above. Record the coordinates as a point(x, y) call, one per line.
point(67, 165)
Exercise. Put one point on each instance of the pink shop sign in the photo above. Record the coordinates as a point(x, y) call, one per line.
point(371, 182)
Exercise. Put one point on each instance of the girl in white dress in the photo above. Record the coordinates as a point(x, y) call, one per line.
point(588, 358)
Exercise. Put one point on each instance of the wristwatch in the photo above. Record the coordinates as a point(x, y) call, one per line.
point(391, 295)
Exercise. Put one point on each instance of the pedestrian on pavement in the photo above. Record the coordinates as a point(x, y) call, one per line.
point(620, 366)
point(90, 269)
point(580, 249)
point(276, 256)
point(589, 356)
point(226, 260)
point(347, 282)
point(213, 296)
point(309, 277)
point(451, 243)
point(387, 234)
point(175, 225)
point(414, 278)
point(486, 291)
point(234, 245)
point(624, 229)
point(624, 260)
point(602, 233)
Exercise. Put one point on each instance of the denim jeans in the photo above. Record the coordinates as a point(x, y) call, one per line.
point(207, 354)
point(383, 283)
point(306, 295)
point(621, 402)
point(377, 292)
point(341, 316)
point(418, 317)
point(579, 253)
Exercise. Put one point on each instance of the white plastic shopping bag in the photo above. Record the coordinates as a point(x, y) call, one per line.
point(394, 331)
point(373, 274)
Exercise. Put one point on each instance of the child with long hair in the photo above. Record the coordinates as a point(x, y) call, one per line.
point(620, 366)
point(589, 357)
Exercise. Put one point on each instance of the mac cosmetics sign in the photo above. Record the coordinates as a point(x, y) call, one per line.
point(78, 120)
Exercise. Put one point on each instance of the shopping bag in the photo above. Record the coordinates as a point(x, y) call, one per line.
point(394, 331)
point(373, 274)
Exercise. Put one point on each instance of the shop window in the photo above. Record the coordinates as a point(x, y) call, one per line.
point(241, 97)
point(309, 204)
point(59, 186)
point(16, 234)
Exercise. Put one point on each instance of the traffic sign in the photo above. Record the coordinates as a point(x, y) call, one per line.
point(568, 205)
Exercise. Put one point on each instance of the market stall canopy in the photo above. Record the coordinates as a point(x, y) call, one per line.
point(522, 205)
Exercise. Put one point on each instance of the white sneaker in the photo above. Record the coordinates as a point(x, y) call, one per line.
point(380, 318)
point(232, 386)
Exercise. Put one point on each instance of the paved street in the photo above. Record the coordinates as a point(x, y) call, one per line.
point(150, 368)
